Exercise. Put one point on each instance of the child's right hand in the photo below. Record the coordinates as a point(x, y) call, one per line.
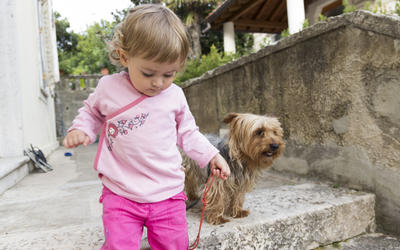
point(75, 138)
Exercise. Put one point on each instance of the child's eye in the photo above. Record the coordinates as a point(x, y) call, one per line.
point(169, 75)
point(147, 75)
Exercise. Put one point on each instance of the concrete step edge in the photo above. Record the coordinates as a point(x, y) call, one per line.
point(12, 170)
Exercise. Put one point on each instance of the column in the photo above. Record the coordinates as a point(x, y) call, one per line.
point(296, 15)
point(229, 38)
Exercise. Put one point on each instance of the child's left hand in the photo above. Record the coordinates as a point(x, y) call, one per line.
point(219, 167)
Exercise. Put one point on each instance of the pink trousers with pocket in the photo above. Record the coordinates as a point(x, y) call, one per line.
point(123, 222)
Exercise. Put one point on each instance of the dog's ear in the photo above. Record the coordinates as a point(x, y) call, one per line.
point(230, 117)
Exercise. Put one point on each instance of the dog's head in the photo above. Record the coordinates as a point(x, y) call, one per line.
point(259, 138)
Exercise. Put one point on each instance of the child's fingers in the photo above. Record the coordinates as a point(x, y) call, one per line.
point(216, 172)
point(76, 140)
point(81, 138)
point(71, 141)
point(65, 144)
point(86, 141)
point(68, 143)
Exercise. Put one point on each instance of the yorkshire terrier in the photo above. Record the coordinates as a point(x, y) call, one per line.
point(253, 143)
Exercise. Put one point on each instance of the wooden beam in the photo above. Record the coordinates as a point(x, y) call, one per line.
point(242, 12)
point(267, 9)
point(279, 11)
point(260, 24)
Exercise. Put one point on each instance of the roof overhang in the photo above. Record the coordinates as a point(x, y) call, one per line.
point(264, 16)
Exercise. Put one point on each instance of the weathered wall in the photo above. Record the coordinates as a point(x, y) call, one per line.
point(71, 91)
point(336, 89)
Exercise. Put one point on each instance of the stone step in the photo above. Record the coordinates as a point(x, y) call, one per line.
point(295, 216)
point(60, 210)
point(302, 216)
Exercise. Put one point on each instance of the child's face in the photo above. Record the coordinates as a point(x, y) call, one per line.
point(149, 77)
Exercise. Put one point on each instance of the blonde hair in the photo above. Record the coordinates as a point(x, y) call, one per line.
point(151, 32)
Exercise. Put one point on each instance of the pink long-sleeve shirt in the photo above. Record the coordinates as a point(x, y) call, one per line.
point(137, 156)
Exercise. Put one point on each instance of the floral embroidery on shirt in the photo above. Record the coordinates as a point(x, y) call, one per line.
point(122, 127)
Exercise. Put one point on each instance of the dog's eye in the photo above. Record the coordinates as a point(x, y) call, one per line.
point(275, 132)
point(259, 132)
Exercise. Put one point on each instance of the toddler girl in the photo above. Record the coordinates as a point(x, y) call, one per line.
point(144, 116)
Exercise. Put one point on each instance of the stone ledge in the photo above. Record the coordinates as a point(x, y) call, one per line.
point(382, 24)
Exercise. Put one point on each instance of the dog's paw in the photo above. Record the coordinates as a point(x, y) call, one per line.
point(241, 214)
point(217, 220)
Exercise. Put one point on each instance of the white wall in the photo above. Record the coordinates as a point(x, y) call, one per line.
point(11, 133)
point(27, 114)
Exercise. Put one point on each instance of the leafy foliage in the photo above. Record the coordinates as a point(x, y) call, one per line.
point(285, 33)
point(66, 41)
point(348, 7)
point(84, 53)
point(397, 8)
point(92, 51)
point(197, 67)
point(306, 24)
point(192, 13)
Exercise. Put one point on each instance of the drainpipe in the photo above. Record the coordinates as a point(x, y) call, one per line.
point(296, 15)
point(229, 37)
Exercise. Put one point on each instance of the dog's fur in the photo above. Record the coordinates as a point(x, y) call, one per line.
point(253, 143)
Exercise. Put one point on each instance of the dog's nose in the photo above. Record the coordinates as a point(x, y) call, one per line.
point(274, 146)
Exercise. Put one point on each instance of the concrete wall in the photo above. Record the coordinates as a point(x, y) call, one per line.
point(336, 89)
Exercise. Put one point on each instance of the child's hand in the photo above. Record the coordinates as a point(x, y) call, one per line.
point(219, 167)
point(75, 138)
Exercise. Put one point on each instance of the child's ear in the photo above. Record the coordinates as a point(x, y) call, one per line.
point(123, 58)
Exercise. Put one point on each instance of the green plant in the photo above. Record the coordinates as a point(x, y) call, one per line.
point(380, 7)
point(348, 7)
point(266, 42)
point(285, 33)
point(197, 67)
point(322, 17)
point(397, 8)
point(367, 6)
point(306, 24)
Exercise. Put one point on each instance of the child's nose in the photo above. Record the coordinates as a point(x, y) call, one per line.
point(157, 83)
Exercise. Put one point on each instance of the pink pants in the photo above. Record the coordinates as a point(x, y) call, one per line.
point(123, 222)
